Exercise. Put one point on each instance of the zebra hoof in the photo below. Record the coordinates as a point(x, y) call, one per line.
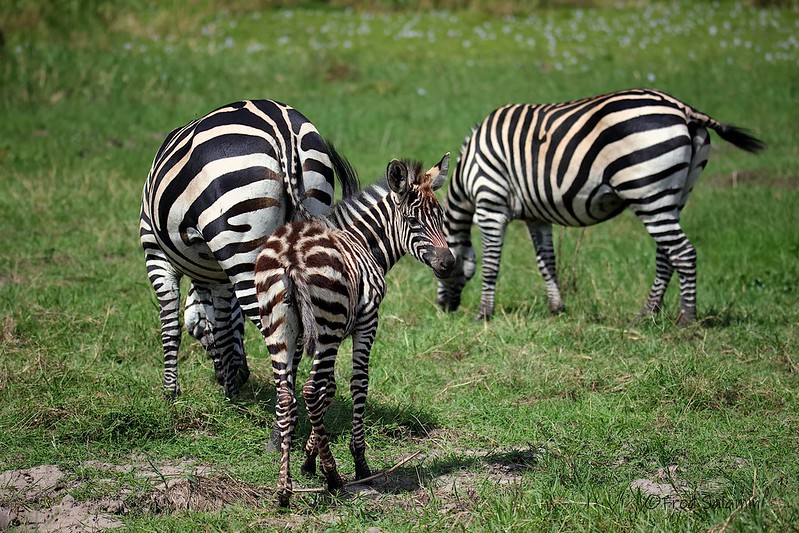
point(244, 374)
point(308, 467)
point(231, 392)
point(334, 482)
point(172, 394)
point(284, 498)
point(362, 471)
point(685, 318)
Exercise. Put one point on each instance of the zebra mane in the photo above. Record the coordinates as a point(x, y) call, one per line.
point(368, 196)
point(363, 199)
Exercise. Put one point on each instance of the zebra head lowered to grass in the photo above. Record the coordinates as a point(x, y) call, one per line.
point(321, 281)
point(577, 164)
point(217, 188)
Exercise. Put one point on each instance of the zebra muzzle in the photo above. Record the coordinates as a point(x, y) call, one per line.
point(441, 261)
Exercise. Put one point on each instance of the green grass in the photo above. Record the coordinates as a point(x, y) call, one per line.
point(570, 411)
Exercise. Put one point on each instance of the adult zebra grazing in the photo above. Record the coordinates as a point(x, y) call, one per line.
point(321, 281)
point(577, 164)
point(217, 188)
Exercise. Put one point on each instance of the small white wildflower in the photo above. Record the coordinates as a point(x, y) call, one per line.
point(420, 91)
point(650, 77)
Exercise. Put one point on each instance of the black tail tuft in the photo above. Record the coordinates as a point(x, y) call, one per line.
point(740, 138)
point(346, 173)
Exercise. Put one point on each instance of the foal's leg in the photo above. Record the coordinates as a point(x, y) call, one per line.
point(317, 390)
point(362, 340)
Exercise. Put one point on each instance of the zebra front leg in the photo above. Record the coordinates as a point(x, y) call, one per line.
point(240, 360)
point(213, 307)
point(492, 229)
point(315, 392)
point(198, 318)
point(663, 273)
point(229, 340)
point(362, 341)
point(541, 235)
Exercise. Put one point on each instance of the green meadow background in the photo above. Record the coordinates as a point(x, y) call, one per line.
point(573, 410)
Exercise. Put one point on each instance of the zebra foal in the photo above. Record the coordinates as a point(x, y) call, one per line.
point(321, 281)
point(217, 188)
point(577, 164)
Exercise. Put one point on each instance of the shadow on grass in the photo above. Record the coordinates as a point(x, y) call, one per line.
point(389, 420)
point(459, 470)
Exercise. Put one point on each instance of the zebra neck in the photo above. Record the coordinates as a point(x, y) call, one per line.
point(369, 220)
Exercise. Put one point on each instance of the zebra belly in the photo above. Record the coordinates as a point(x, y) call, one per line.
point(588, 207)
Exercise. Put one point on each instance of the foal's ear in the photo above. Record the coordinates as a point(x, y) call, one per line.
point(397, 177)
point(438, 173)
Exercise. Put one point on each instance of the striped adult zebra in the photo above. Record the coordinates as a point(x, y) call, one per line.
point(217, 188)
point(319, 282)
point(577, 164)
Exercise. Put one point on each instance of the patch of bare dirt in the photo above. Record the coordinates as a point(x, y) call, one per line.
point(38, 498)
point(42, 498)
point(668, 490)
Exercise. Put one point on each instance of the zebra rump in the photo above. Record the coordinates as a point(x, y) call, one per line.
point(217, 188)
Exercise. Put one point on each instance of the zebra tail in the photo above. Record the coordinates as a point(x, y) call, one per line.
point(302, 296)
point(740, 138)
point(291, 179)
point(345, 172)
point(732, 134)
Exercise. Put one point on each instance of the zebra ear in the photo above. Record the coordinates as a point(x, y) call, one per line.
point(438, 173)
point(397, 177)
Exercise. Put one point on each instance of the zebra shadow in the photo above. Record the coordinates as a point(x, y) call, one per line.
point(451, 477)
point(257, 398)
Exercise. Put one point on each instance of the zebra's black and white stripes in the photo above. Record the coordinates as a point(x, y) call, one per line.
point(217, 188)
point(577, 164)
point(321, 281)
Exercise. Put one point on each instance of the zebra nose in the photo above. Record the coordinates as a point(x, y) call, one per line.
point(444, 262)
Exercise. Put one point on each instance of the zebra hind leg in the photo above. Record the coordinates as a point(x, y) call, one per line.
point(281, 337)
point(680, 255)
point(166, 284)
point(317, 390)
point(362, 340)
point(311, 447)
point(663, 273)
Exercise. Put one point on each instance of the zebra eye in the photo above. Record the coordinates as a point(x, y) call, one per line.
point(414, 222)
